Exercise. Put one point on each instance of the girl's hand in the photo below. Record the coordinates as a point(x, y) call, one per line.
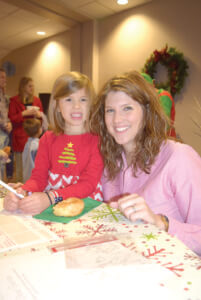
point(11, 202)
point(34, 204)
point(15, 185)
point(134, 208)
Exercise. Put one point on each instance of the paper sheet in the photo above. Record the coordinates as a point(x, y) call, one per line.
point(43, 275)
point(102, 255)
point(19, 232)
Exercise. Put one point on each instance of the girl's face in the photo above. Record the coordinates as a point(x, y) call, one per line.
point(75, 111)
point(123, 118)
point(29, 89)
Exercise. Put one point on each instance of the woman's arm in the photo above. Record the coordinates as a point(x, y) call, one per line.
point(186, 183)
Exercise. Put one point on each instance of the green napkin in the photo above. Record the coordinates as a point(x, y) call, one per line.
point(48, 215)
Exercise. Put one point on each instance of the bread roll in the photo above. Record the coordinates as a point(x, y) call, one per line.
point(7, 149)
point(70, 207)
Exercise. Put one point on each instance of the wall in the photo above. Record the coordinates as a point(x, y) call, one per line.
point(43, 61)
point(120, 43)
point(126, 40)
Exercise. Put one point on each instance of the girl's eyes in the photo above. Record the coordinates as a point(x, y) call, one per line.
point(81, 100)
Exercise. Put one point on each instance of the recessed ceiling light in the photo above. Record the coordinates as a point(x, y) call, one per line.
point(41, 32)
point(122, 2)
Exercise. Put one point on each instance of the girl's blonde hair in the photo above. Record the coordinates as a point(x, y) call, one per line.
point(64, 86)
point(23, 82)
point(148, 139)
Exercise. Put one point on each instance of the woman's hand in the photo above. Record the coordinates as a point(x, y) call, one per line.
point(134, 208)
point(30, 112)
point(38, 114)
point(34, 204)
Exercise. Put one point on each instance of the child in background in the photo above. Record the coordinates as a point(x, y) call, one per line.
point(4, 158)
point(34, 130)
point(68, 162)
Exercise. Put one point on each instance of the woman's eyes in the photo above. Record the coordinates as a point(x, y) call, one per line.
point(109, 110)
point(68, 99)
point(126, 108)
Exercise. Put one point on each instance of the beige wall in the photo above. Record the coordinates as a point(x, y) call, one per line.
point(43, 61)
point(127, 40)
point(120, 43)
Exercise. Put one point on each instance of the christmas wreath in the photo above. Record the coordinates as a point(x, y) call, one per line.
point(176, 68)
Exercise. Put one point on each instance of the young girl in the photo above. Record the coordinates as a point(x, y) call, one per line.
point(68, 162)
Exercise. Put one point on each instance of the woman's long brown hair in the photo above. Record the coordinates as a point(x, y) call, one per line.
point(23, 82)
point(151, 135)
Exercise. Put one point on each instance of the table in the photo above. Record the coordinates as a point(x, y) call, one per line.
point(156, 266)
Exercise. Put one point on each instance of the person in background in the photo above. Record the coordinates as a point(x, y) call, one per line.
point(167, 103)
point(33, 129)
point(24, 105)
point(5, 124)
point(147, 175)
point(4, 156)
point(68, 161)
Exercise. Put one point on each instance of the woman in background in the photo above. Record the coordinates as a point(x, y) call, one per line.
point(21, 108)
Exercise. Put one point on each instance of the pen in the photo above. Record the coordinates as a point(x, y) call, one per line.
point(10, 189)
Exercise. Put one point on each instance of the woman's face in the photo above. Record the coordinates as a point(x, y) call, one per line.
point(123, 118)
point(29, 89)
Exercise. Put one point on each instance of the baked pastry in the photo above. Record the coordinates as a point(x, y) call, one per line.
point(70, 207)
point(7, 149)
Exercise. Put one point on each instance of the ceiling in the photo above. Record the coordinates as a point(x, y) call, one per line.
point(21, 19)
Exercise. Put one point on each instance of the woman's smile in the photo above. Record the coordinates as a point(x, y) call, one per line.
point(123, 118)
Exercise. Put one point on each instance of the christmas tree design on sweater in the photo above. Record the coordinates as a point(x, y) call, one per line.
point(68, 156)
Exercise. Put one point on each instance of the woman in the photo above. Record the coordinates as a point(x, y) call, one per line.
point(21, 108)
point(147, 176)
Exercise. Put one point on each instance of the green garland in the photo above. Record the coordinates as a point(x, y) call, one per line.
point(176, 68)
